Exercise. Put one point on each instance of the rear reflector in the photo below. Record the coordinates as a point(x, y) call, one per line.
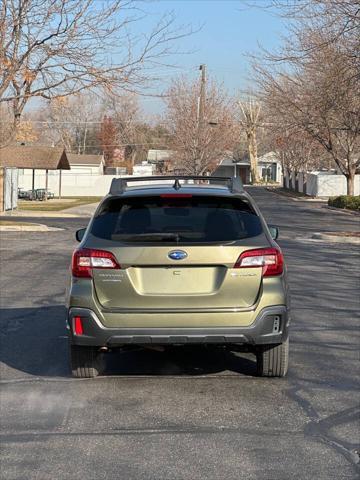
point(78, 327)
point(85, 259)
point(270, 259)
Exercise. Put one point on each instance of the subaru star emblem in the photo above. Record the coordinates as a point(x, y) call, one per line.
point(177, 255)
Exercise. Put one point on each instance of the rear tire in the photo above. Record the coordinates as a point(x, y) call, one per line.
point(85, 362)
point(273, 361)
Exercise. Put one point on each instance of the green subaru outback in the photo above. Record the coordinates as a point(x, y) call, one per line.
point(178, 261)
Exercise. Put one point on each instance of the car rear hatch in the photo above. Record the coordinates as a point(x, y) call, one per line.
point(177, 251)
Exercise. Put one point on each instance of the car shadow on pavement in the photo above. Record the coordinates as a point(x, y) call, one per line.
point(180, 360)
point(34, 341)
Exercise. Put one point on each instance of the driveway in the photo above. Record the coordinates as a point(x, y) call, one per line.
point(190, 413)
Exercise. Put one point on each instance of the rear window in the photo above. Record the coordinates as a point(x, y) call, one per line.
point(183, 219)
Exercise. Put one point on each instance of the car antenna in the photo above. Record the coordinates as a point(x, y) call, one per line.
point(177, 185)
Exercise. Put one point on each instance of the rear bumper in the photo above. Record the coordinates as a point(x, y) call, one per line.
point(270, 327)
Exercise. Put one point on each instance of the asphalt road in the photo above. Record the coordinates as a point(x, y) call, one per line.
point(185, 414)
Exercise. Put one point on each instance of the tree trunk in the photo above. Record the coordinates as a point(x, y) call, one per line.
point(17, 120)
point(84, 142)
point(350, 181)
point(252, 146)
point(46, 184)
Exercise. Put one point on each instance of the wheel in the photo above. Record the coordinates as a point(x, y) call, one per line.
point(85, 362)
point(273, 361)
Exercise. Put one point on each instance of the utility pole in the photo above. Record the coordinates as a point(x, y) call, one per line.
point(201, 113)
point(202, 97)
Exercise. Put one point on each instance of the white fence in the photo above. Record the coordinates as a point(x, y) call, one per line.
point(72, 185)
point(319, 184)
point(316, 184)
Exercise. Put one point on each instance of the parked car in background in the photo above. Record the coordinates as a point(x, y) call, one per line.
point(26, 194)
point(37, 194)
point(40, 194)
point(178, 264)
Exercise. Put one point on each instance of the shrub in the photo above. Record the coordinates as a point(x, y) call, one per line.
point(345, 201)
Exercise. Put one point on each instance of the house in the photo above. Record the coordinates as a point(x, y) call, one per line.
point(86, 164)
point(158, 156)
point(161, 159)
point(269, 168)
point(34, 160)
point(143, 169)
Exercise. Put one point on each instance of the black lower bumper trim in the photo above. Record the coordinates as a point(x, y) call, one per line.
point(258, 333)
point(176, 339)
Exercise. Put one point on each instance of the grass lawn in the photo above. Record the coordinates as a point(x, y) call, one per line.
point(56, 204)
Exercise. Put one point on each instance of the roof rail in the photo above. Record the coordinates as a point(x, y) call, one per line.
point(119, 185)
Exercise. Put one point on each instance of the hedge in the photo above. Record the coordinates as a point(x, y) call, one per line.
point(345, 201)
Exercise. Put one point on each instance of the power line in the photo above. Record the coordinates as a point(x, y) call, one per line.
point(103, 146)
point(57, 126)
point(54, 122)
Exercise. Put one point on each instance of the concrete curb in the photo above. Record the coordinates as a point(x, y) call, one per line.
point(342, 210)
point(319, 200)
point(296, 199)
point(32, 227)
point(336, 238)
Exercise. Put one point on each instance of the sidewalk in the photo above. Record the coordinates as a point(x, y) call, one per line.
point(73, 212)
point(15, 226)
point(82, 210)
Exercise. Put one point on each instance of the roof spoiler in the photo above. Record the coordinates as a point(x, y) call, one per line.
point(119, 185)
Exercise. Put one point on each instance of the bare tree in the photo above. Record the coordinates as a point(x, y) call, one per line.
point(335, 20)
point(107, 137)
point(250, 120)
point(198, 149)
point(125, 113)
point(321, 99)
point(312, 85)
point(54, 48)
point(297, 151)
point(70, 120)
point(134, 133)
point(110, 124)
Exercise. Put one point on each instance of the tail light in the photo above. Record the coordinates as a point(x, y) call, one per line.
point(85, 259)
point(270, 259)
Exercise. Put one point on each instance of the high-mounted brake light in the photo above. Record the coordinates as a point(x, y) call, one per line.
point(85, 259)
point(176, 195)
point(270, 259)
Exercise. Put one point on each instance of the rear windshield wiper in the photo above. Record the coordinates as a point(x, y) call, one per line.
point(159, 236)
